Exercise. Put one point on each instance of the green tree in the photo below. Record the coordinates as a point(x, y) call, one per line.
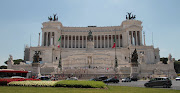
point(177, 66)
point(3, 67)
point(16, 61)
point(164, 60)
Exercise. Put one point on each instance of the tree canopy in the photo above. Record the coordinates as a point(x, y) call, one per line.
point(3, 67)
point(177, 66)
point(16, 61)
point(164, 60)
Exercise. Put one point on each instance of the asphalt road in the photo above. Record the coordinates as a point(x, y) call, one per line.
point(175, 84)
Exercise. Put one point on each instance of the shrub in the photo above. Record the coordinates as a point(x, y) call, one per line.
point(80, 84)
point(33, 83)
point(5, 81)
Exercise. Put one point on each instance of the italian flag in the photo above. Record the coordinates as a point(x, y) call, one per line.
point(114, 45)
point(59, 41)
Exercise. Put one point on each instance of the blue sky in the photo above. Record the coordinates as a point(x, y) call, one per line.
point(21, 18)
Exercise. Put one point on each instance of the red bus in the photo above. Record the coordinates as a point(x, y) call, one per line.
point(9, 73)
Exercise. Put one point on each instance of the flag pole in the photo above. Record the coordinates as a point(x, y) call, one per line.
point(115, 44)
point(60, 62)
point(116, 64)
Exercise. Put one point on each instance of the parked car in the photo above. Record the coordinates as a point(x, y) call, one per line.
point(72, 78)
point(160, 81)
point(178, 78)
point(44, 78)
point(113, 80)
point(134, 79)
point(126, 80)
point(95, 79)
point(101, 78)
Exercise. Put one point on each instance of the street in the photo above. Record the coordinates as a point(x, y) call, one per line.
point(140, 83)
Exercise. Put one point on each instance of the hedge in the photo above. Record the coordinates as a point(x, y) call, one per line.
point(33, 83)
point(6, 81)
point(80, 84)
point(64, 83)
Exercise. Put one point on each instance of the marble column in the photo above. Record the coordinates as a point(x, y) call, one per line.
point(64, 41)
point(94, 41)
point(86, 41)
point(136, 38)
point(75, 41)
point(82, 41)
point(108, 41)
point(120, 39)
point(50, 36)
point(100, 39)
point(129, 38)
point(46, 38)
point(104, 41)
point(71, 41)
point(112, 40)
point(67, 41)
point(42, 44)
point(79, 41)
point(51, 39)
point(97, 41)
point(140, 32)
point(132, 41)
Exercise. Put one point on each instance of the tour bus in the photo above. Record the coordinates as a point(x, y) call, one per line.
point(10, 73)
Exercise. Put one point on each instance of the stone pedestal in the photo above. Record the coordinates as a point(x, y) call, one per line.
point(134, 70)
point(36, 69)
point(90, 45)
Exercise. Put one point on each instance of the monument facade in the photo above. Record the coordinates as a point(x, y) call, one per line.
point(91, 50)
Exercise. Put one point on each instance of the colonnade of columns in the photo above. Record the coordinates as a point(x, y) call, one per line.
point(48, 38)
point(100, 41)
point(134, 38)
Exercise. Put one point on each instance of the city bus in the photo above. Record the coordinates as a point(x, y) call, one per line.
point(10, 73)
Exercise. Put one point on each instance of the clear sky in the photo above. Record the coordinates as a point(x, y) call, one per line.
point(21, 18)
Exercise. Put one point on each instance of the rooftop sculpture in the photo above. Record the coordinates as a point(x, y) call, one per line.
point(130, 17)
point(53, 19)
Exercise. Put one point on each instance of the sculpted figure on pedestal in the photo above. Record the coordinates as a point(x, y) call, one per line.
point(90, 36)
point(36, 57)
